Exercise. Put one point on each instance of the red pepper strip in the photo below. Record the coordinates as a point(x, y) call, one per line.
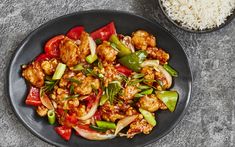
point(105, 32)
point(52, 46)
point(64, 132)
point(33, 97)
point(75, 32)
point(86, 132)
point(97, 115)
point(71, 120)
point(93, 108)
point(43, 57)
point(123, 70)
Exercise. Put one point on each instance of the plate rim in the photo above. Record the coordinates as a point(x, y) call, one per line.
point(24, 41)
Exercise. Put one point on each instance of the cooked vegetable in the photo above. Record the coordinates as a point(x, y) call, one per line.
point(134, 60)
point(105, 124)
point(169, 98)
point(52, 46)
point(123, 50)
point(112, 90)
point(75, 32)
point(93, 108)
point(99, 129)
point(105, 32)
point(103, 99)
point(46, 101)
point(90, 59)
point(77, 67)
point(124, 122)
point(171, 71)
point(149, 91)
point(87, 133)
point(123, 70)
point(148, 116)
point(51, 117)
point(92, 46)
point(33, 97)
point(60, 69)
point(43, 57)
point(64, 132)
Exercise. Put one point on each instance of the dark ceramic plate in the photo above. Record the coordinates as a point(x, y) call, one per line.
point(177, 24)
point(125, 24)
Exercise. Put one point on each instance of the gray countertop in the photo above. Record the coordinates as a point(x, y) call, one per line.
point(209, 120)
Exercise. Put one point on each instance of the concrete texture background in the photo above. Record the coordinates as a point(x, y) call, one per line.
point(209, 120)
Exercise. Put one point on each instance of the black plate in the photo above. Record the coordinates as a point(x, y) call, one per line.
point(125, 23)
point(177, 24)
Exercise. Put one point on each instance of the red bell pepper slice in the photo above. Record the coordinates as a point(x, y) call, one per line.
point(123, 70)
point(97, 115)
point(33, 97)
point(105, 32)
point(43, 57)
point(75, 32)
point(64, 132)
point(71, 120)
point(52, 46)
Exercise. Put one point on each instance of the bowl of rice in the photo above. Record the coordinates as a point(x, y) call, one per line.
point(199, 16)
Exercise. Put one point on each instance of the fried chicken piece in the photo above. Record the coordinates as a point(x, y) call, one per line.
point(86, 84)
point(112, 112)
point(106, 52)
point(64, 80)
point(129, 92)
point(41, 110)
point(69, 52)
point(138, 126)
point(142, 39)
point(159, 54)
point(34, 74)
point(49, 66)
point(149, 75)
point(84, 49)
point(151, 103)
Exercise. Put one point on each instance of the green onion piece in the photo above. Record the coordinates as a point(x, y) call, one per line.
point(100, 75)
point(169, 98)
point(51, 116)
point(99, 129)
point(78, 67)
point(149, 91)
point(103, 99)
point(72, 96)
point(98, 41)
point(148, 116)
point(60, 69)
point(143, 87)
point(71, 89)
point(138, 95)
point(74, 80)
point(137, 76)
point(106, 124)
point(170, 70)
point(90, 59)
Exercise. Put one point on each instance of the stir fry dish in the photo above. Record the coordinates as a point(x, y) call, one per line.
point(101, 84)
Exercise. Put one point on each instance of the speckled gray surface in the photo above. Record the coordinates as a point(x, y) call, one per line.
point(209, 120)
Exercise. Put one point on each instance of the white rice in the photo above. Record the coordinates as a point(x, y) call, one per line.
point(199, 14)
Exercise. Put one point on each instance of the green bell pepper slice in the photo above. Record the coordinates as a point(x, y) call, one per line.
point(169, 98)
point(123, 50)
point(106, 124)
point(134, 60)
point(148, 116)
